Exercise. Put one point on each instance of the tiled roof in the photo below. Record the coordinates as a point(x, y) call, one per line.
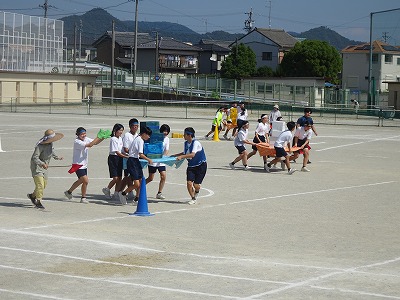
point(125, 39)
point(278, 36)
point(223, 44)
point(377, 47)
point(169, 44)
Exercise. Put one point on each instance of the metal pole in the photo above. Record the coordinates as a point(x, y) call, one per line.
point(74, 58)
point(370, 63)
point(112, 61)
point(135, 45)
point(157, 55)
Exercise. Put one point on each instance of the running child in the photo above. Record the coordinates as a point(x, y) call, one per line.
point(239, 142)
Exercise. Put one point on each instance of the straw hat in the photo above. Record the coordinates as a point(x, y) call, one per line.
point(50, 136)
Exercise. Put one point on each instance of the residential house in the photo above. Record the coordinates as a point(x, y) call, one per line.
point(385, 66)
point(212, 56)
point(269, 45)
point(171, 56)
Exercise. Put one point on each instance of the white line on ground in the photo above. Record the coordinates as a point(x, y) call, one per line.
point(33, 295)
point(347, 145)
point(142, 266)
point(119, 282)
point(317, 278)
point(354, 292)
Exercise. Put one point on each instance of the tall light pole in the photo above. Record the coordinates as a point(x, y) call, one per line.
point(135, 45)
point(371, 100)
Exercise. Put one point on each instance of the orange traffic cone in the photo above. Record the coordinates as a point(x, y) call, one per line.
point(216, 134)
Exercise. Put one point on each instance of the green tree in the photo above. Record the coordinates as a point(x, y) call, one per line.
point(312, 59)
point(264, 71)
point(240, 63)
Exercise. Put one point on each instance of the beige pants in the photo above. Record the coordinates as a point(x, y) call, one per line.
point(40, 185)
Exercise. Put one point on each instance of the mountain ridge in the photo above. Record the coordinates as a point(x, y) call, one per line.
point(93, 24)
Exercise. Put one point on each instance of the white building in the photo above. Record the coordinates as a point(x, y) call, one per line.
point(269, 45)
point(385, 66)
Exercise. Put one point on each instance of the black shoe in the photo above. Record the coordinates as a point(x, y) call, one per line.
point(39, 205)
point(33, 200)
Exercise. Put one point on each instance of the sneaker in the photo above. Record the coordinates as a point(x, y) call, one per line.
point(160, 196)
point(192, 202)
point(83, 200)
point(38, 204)
point(291, 171)
point(309, 162)
point(206, 137)
point(283, 165)
point(225, 137)
point(122, 198)
point(196, 194)
point(266, 168)
point(33, 199)
point(130, 196)
point(304, 169)
point(106, 192)
point(135, 201)
point(232, 166)
point(68, 195)
point(246, 168)
point(273, 167)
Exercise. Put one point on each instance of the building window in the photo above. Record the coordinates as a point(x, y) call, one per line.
point(374, 58)
point(398, 61)
point(388, 58)
point(267, 56)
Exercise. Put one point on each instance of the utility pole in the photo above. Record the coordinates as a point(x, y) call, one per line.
point(74, 52)
point(248, 24)
point(45, 6)
point(157, 56)
point(80, 39)
point(385, 36)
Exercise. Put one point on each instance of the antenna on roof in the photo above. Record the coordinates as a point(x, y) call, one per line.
point(269, 14)
point(248, 24)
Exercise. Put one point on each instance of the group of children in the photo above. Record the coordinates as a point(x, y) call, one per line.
point(123, 159)
point(297, 135)
point(126, 149)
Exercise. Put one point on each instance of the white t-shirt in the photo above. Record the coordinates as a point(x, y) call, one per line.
point(262, 129)
point(274, 115)
point(115, 145)
point(196, 147)
point(243, 116)
point(284, 138)
point(128, 139)
point(80, 152)
point(303, 134)
point(165, 150)
point(136, 147)
point(240, 137)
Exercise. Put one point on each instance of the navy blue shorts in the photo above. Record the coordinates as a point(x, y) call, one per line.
point(160, 169)
point(81, 172)
point(115, 166)
point(280, 152)
point(241, 149)
point(196, 174)
point(134, 168)
point(255, 140)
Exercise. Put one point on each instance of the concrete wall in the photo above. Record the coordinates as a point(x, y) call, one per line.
point(46, 87)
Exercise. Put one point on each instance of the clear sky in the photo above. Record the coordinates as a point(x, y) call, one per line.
point(349, 18)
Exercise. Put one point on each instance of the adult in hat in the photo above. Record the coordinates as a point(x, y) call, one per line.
point(40, 160)
point(274, 114)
